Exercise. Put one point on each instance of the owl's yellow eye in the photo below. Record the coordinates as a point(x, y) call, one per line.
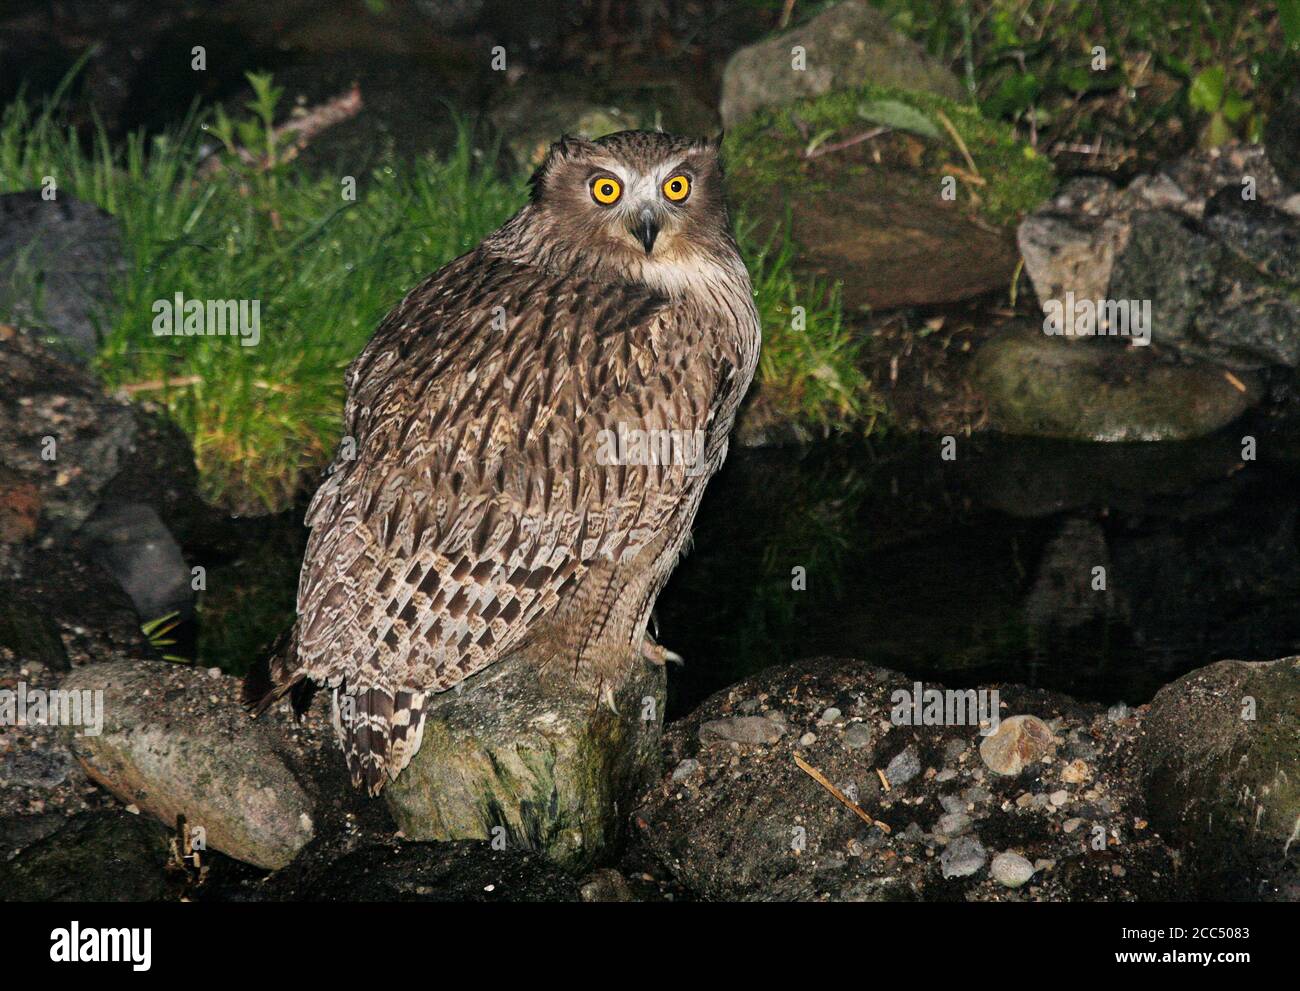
point(677, 188)
point(606, 190)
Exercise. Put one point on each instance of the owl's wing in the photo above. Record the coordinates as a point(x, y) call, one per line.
point(480, 413)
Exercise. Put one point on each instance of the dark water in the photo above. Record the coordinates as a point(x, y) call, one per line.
point(981, 569)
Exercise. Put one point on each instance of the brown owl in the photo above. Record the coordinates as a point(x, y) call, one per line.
point(527, 438)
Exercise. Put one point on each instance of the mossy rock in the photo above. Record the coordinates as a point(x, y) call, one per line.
point(764, 153)
point(1221, 772)
point(847, 45)
point(513, 759)
point(899, 219)
point(1100, 390)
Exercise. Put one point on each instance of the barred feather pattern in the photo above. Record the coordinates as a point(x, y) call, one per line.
point(466, 519)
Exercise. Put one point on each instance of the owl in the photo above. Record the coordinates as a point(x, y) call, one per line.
point(527, 437)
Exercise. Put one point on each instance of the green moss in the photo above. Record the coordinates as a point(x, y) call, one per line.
point(766, 152)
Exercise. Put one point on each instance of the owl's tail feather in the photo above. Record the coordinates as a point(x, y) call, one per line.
point(274, 675)
point(380, 731)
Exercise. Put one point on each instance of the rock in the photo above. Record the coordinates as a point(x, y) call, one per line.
point(1011, 869)
point(1018, 742)
point(17, 832)
point(1059, 797)
point(28, 636)
point(858, 735)
point(741, 729)
point(1282, 139)
point(97, 856)
point(549, 770)
point(1208, 297)
point(685, 769)
point(962, 857)
point(606, 885)
point(1099, 390)
point(38, 768)
point(430, 872)
point(174, 743)
point(58, 429)
point(60, 261)
point(846, 46)
point(1220, 755)
point(134, 546)
point(903, 767)
point(1070, 243)
point(953, 824)
point(1076, 772)
point(1218, 269)
point(1070, 825)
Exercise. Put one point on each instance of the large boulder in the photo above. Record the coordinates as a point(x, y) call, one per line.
point(511, 758)
point(1220, 758)
point(174, 742)
point(866, 183)
point(850, 44)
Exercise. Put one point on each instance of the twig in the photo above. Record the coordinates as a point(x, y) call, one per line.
point(821, 779)
point(875, 132)
point(300, 130)
point(961, 145)
point(153, 385)
point(1235, 382)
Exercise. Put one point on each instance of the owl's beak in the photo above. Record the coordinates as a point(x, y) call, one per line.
point(646, 229)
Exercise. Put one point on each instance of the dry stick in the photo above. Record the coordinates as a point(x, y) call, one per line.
point(875, 132)
point(1235, 382)
point(153, 385)
point(961, 145)
point(821, 779)
point(301, 129)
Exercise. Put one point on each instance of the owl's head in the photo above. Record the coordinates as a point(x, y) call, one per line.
point(638, 200)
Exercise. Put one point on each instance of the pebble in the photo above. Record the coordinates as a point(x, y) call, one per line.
point(963, 857)
point(953, 824)
point(829, 716)
point(952, 803)
point(685, 769)
point(1018, 742)
point(904, 767)
point(954, 748)
point(1070, 825)
point(808, 739)
point(1060, 797)
point(1011, 869)
point(742, 729)
point(1076, 772)
point(947, 774)
point(857, 736)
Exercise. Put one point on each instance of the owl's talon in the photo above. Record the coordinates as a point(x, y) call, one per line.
point(657, 653)
point(607, 698)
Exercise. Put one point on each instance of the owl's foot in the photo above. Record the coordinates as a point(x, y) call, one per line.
point(659, 654)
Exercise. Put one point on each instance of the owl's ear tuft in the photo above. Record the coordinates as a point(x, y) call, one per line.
point(566, 149)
